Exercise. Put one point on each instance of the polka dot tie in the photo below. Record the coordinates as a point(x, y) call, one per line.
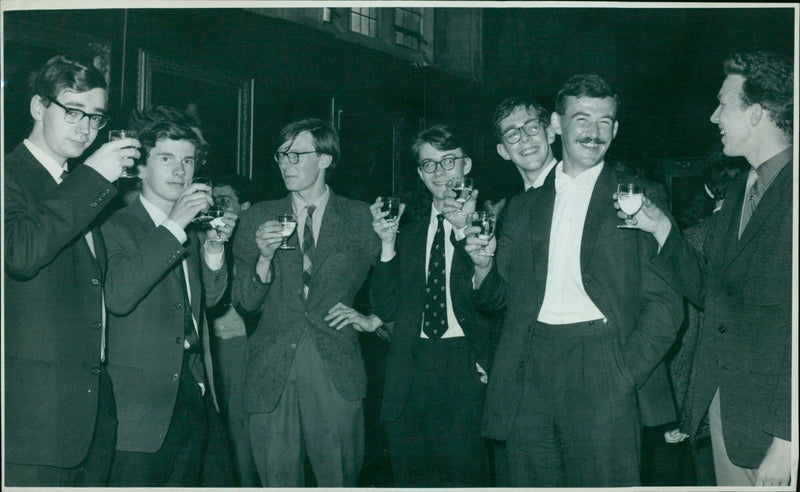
point(434, 322)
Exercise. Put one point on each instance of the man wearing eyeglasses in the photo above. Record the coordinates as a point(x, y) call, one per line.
point(435, 377)
point(60, 418)
point(578, 368)
point(305, 380)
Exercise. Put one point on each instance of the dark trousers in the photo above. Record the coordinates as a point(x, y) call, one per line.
point(436, 441)
point(311, 420)
point(95, 468)
point(577, 424)
point(178, 463)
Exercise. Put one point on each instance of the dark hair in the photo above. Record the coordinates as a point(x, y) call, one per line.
point(585, 85)
point(769, 82)
point(441, 137)
point(326, 140)
point(240, 185)
point(719, 171)
point(150, 134)
point(509, 104)
point(140, 120)
point(65, 72)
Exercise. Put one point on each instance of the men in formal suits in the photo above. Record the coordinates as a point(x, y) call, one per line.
point(159, 278)
point(524, 136)
point(60, 420)
point(433, 392)
point(742, 369)
point(305, 380)
point(578, 369)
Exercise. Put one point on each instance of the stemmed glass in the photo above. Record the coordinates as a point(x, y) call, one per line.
point(203, 217)
point(288, 224)
point(486, 221)
point(119, 135)
point(221, 205)
point(391, 204)
point(629, 197)
point(462, 187)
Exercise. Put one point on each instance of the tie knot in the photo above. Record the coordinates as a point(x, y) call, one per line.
point(310, 211)
point(440, 219)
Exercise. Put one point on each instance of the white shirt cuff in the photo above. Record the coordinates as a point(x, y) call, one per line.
point(214, 260)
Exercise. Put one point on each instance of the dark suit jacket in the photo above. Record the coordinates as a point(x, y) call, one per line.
point(745, 342)
point(346, 249)
point(144, 299)
point(618, 278)
point(398, 292)
point(53, 311)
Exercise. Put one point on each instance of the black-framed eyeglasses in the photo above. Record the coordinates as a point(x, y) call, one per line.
point(530, 127)
point(448, 163)
point(292, 157)
point(74, 115)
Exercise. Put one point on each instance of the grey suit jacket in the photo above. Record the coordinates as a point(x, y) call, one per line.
point(53, 311)
point(346, 249)
point(745, 343)
point(144, 299)
point(619, 279)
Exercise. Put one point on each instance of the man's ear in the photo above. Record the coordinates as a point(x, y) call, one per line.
point(467, 165)
point(756, 113)
point(37, 107)
point(501, 150)
point(245, 206)
point(555, 123)
point(325, 161)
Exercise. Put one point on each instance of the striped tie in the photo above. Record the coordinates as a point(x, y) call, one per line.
point(308, 249)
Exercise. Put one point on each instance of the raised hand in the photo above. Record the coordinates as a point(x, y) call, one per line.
point(113, 157)
point(268, 238)
point(193, 199)
point(385, 229)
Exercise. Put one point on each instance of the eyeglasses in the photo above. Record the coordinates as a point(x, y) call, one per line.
point(74, 115)
point(448, 163)
point(293, 157)
point(530, 127)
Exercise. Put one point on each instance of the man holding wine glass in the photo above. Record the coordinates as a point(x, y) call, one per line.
point(159, 278)
point(440, 346)
point(305, 379)
point(578, 368)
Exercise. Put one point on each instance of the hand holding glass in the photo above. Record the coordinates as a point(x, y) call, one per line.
point(629, 197)
point(288, 224)
point(462, 187)
point(392, 205)
point(119, 135)
point(204, 217)
point(221, 205)
point(486, 221)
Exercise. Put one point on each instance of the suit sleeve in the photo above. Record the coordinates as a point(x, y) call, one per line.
point(247, 290)
point(137, 261)
point(492, 294)
point(37, 231)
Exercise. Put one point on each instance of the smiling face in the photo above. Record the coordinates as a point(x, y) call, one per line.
point(169, 166)
point(62, 140)
point(733, 118)
point(587, 128)
point(530, 153)
point(436, 182)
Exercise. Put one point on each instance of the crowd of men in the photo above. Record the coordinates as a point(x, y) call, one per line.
point(547, 339)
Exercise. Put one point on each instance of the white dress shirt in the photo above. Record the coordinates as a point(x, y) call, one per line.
point(301, 212)
point(542, 175)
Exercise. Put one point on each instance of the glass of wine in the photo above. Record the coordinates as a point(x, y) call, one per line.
point(629, 197)
point(486, 221)
point(391, 204)
point(203, 217)
point(221, 205)
point(127, 172)
point(462, 187)
point(288, 224)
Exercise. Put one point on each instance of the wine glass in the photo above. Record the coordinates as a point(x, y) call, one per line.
point(119, 135)
point(391, 204)
point(486, 221)
point(629, 197)
point(288, 224)
point(203, 217)
point(221, 205)
point(462, 187)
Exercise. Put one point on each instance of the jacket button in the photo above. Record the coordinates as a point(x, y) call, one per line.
point(178, 340)
point(95, 281)
point(175, 377)
point(95, 371)
point(97, 325)
point(591, 323)
point(721, 329)
point(294, 346)
point(178, 306)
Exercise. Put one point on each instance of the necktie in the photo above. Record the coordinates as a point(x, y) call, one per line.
point(308, 249)
point(751, 199)
point(435, 314)
point(192, 342)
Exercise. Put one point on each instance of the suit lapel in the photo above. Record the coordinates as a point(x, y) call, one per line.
point(334, 227)
point(597, 213)
point(542, 219)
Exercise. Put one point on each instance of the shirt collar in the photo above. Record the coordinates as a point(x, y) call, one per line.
point(767, 171)
point(319, 203)
point(585, 180)
point(434, 213)
point(52, 167)
point(156, 214)
point(543, 175)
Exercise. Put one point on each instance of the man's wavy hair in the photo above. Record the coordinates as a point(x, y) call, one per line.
point(150, 126)
point(509, 105)
point(769, 82)
point(65, 72)
point(584, 85)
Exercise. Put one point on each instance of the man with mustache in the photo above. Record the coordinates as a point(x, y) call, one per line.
point(578, 369)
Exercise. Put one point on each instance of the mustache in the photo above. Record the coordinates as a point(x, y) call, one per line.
point(595, 140)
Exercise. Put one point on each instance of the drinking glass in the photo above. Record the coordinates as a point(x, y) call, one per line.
point(203, 217)
point(391, 204)
point(462, 187)
point(486, 221)
point(119, 135)
point(288, 224)
point(221, 205)
point(629, 197)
